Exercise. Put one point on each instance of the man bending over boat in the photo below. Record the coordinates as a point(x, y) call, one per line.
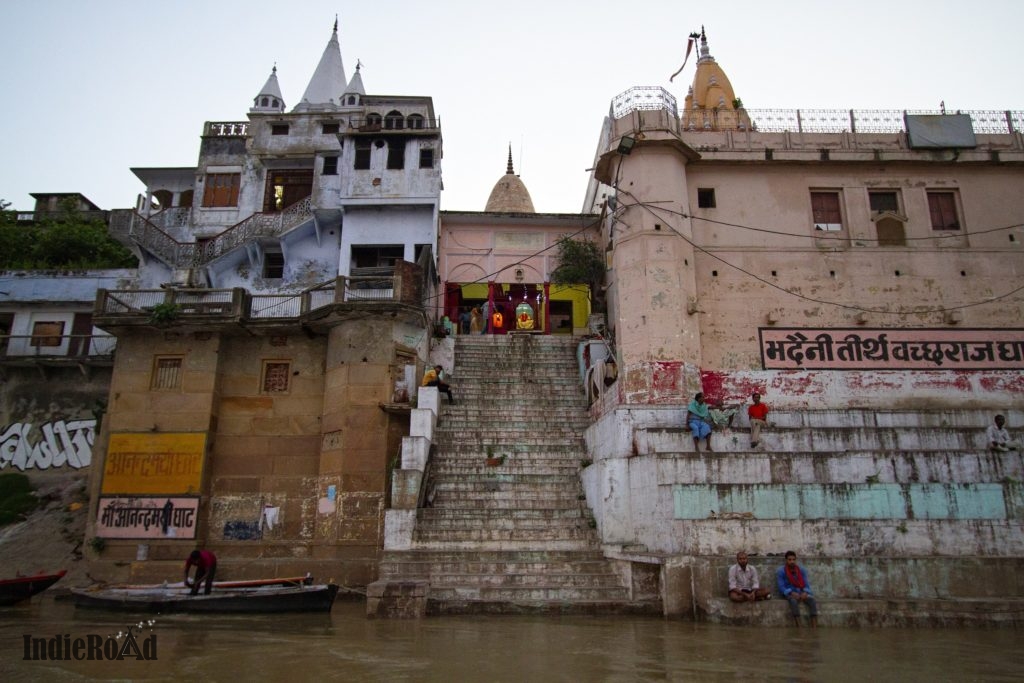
point(205, 563)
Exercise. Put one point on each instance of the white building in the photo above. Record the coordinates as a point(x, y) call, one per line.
point(286, 200)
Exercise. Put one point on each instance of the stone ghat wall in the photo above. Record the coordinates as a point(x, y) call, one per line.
point(913, 591)
point(877, 498)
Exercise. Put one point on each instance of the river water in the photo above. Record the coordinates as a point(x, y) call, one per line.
point(345, 646)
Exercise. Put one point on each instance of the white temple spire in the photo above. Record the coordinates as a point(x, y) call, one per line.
point(328, 82)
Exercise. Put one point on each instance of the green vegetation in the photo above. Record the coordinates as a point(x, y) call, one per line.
point(17, 497)
point(63, 240)
point(164, 313)
point(581, 262)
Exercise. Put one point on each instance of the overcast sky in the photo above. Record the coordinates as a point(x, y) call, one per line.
point(92, 88)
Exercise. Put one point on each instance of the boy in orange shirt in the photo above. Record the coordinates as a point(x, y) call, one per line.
point(758, 414)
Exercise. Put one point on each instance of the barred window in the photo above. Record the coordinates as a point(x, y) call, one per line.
point(166, 372)
point(276, 375)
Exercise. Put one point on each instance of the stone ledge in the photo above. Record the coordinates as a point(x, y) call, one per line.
point(882, 611)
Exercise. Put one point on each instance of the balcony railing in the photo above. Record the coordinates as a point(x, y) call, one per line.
point(154, 239)
point(141, 306)
point(643, 97)
point(56, 347)
point(226, 129)
point(393, 125)
point(845, 120)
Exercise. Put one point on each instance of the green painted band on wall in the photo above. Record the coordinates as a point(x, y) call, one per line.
point(845, 501)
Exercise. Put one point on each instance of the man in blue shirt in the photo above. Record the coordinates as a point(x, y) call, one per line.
point(794, 586)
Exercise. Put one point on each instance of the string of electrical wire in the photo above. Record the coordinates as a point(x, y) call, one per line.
point(816, 236)
point(651, 208)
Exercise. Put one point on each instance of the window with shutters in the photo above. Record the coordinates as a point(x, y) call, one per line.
point(942, 207)
point(825, 210)
point(221, 189)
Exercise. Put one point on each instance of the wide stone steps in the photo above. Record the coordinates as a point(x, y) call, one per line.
point(554, 525)
point(486, 482)
point(474, 542)
point(458, 451)
point(516, 536)
point(496, 561)
point(461, 438)
point(529, 581)
point(502, 516)
point(457, 423)
point(504, 500)
point(512, 467)
point(553, 594)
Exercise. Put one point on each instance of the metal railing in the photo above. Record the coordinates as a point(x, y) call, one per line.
point(643, 97)
point(846, 120)
point(413, 122)
point(142, 304)
point(19, 347)
point(154, 239)
point(227, 129)
point(174, 217)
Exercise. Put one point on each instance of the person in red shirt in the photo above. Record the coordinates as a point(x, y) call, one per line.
point(758, 414)
point(205, 563)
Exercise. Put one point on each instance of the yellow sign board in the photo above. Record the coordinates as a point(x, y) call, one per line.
point(154, 463)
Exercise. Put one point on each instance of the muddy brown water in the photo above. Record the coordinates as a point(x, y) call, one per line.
point(345, 646)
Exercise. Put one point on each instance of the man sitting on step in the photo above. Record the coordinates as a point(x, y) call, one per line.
point(434, 377)
point(998, 438)
point(744, 585)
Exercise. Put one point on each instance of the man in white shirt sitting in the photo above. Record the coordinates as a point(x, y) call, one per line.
point(998, 438)
point(743, 582)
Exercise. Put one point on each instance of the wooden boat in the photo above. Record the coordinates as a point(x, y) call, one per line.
point(24, 587)
point(294, 594)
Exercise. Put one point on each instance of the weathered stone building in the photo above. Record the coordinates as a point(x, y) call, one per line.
point(260, 387)
point(862, 271)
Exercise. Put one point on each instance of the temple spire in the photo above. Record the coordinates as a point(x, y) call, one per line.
point(328, 81)
point(269, 97)
point(510, 170)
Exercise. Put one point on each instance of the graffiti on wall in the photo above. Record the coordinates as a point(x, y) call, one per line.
point(147, 517)
point(58, 444)
point(891, 349)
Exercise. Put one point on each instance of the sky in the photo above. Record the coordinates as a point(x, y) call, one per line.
point(92, 89)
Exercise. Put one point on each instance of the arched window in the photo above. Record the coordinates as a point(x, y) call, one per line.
point(373, 120)
point(351, 99)
point(415, 121)
point(264, 102)
point(163, 199)
point(394, 120)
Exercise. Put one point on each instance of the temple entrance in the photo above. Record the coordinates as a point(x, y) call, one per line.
point(516, 307)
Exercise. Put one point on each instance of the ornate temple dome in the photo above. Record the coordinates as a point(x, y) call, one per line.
point(510, 194)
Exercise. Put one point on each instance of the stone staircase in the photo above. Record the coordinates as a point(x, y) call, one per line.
point(516, 536)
